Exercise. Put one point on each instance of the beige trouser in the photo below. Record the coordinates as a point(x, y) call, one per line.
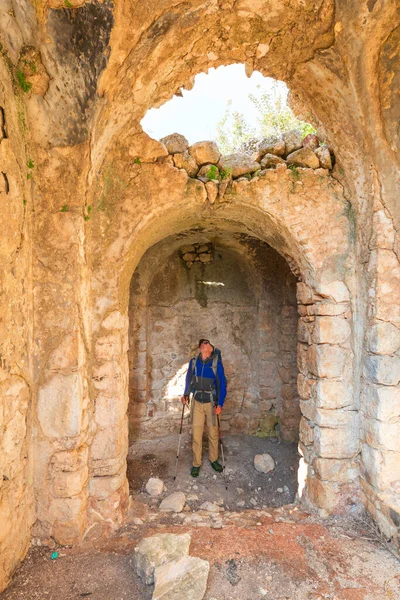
point(201, 413)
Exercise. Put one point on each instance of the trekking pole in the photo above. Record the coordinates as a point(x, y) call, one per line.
point(179, 442)
point(222, 452)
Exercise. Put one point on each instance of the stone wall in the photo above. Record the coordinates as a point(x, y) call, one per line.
point(16, 493)
point(103, 193)
point(237, 293)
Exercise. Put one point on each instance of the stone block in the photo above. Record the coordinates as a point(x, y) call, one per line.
point(65, 356)
point(337, 290)
point(110, 410)
point(382, 402)
point(332, 394)
point(337, 442)
point(102, 487)
point(382, 435)
point(293, 140)
point(302, 358)
point(175, 142)
point(305, 386)
point(330, 330)
point(159, 550)
point(308, 409)
point(70, 460)
point(306, 432)
point(115, 320)
point(304, 331)
point(304, 157)
point(108, 347)
point(238, 164)
point(68, 483)
point(304, 293)
point(184, 579)
point(108, 378)
point(382, 369)
point(336, 418)
point(324, 494)
point(60, 406)
point(327, 361)
point(383, 338)
point(330, 469)
point(154, 487)
point(381, 468)
point(67, 509)
point(109, 442)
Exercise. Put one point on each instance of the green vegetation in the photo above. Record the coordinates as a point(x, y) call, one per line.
point(273, 118)
point(212, 173)
point(137, 161)
point(88, 211)
point(30, 164)
point(23, 84)
point(24, 202)
point(295, 171)
point(67, 3)
point(225, 173)
point(64, 208)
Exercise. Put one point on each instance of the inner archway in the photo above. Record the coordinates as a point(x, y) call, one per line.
point(240, 292)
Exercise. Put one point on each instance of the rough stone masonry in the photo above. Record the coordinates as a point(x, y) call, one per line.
point(86, 197)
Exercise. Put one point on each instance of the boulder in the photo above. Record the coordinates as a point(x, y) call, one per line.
point(293, 140)
point(174, 502)
point(264, 463)
point(154, 487)
point(270, 145)
point(238, 164)
point(324, 157)
point(184, 160)
point(212, 191)
point(175, 143)
point(270, 161)
point(311, 141)
point(304, 157)
point(158, 550)
point(185, 579)
point(205, 152)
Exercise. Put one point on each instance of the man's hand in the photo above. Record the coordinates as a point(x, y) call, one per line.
point(218, 410)
point(185, 399)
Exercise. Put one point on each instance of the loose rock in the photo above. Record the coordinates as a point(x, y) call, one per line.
point(185, 161)
point(311, 141)
point(154, 486)
point(304, 157)
point(158, 550)
point(175, 143)
point(264, 463)
point(324, 157)
point(205, 152)
point(270, 160)
point(210, 507)
point(270, 145)
point(238, 164)
point(185, 579)
point(174, 502)
point(293, 140)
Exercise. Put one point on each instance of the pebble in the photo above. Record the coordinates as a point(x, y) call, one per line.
point(271, 531)
point(280, 490)
point(241, 503)
point(239, 490)
point(192, 497)
point(253, 501)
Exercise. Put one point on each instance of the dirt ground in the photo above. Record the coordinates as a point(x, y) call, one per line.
point(240, 487)
point(255, 553)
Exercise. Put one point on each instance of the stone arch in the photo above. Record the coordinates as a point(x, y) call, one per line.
point(321, 258)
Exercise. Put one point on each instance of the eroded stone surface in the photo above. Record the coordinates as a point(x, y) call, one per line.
point(158, 550)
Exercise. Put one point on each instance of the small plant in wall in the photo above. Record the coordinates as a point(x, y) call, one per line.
point(295, 171)
point(212, 173)
point(225, 173)
point(64, 208)
point(137, 161)
point(30, 164)
point(23, 83)
point(88, 211)
point(67, 3)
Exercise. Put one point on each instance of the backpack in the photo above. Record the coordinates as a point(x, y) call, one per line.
point(217, 357)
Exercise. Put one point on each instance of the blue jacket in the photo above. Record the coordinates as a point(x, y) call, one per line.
point(204, 378)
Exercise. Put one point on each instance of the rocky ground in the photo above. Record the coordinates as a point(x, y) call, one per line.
point(270, 549)
point(241, 487)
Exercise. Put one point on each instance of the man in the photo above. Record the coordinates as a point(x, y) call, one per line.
point(209, 391)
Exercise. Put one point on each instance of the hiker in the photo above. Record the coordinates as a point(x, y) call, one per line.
point(206, 379)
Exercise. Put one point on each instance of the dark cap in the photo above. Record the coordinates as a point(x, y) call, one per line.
point(205, 340)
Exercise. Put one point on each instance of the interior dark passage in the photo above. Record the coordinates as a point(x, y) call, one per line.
point(240, 293)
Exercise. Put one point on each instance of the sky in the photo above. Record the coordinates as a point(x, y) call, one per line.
point(198, 112)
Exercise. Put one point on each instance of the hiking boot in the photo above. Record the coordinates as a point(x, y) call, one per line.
point(195, 472)
point(216, 466)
